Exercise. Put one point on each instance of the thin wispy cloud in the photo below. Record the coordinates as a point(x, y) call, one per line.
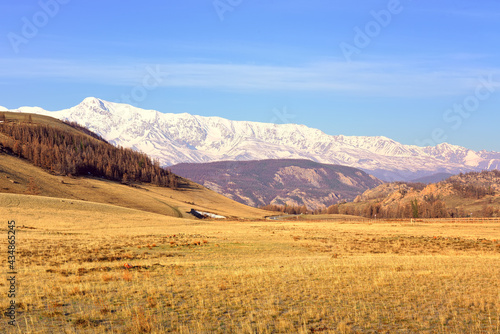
point(376, 78)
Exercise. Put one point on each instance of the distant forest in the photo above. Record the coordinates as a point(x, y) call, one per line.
point(288, 209)
point(472, 185)
point(73, 154)
point(414, 209)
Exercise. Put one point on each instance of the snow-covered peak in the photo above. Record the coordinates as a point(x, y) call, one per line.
point(93, 100)
point(175, 138)
point(33, 110)
point(96, 104)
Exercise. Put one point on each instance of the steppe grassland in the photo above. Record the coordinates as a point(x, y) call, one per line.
point(192, 276)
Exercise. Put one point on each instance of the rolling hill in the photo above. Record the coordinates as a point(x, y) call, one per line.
point(21, 177)
point(292, 182)
point(475, 194)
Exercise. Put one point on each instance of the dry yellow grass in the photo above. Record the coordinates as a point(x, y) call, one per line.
point(191, 276)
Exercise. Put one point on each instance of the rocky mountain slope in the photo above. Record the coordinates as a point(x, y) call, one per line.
point(474, 194)
point(177, 138)
point(284, 181)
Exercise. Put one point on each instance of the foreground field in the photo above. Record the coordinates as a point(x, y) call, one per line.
point(190, 276)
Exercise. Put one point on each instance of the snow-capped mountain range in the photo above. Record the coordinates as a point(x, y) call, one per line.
point(176, 138)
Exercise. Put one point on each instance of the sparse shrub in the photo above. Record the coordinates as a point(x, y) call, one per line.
point(107, 277)
point(33, 188)
point(127, 276)
point(142, 324)
point(152, 302)
point(76, 291)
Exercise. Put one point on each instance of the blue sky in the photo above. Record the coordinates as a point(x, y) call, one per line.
point(419, 72)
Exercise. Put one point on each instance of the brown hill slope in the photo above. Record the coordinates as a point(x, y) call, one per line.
point(293, 182)
point(463, 195)
point(77, 152)
point(19, 176)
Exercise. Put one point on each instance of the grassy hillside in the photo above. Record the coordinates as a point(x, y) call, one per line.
point(18, 176)
point(79, 153)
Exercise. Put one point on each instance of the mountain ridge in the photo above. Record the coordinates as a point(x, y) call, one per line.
point(291, 182)
point(176, 138)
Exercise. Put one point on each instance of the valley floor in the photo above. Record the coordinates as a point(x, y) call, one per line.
point(193, 276)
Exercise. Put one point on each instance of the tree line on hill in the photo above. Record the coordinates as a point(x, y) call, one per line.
point(414, 209)
point(472, 191)
point(288, 209)
point(471, 185)
point(65, 153)
point(428, 208)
